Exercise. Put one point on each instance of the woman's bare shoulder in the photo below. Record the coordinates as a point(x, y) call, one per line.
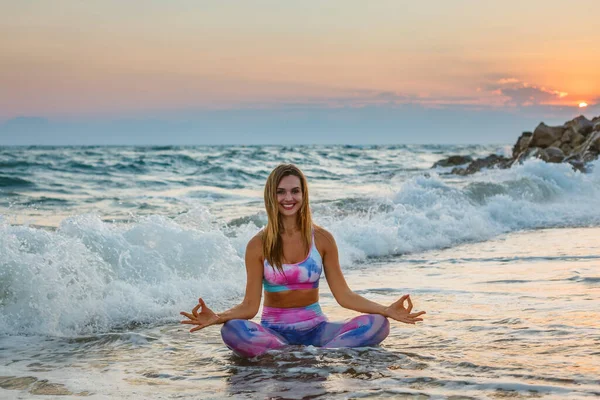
point(255, 245)
point(323, 236)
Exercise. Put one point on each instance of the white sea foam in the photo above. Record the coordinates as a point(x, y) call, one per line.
point(428, 213)
point(89, 276)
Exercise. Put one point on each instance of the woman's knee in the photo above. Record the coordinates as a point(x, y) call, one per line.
point(380, 327)
point(363, 330)
point(378, 320)
point(248, 339)
point(233, 327)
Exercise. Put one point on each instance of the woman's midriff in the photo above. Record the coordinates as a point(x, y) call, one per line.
point(291, 298)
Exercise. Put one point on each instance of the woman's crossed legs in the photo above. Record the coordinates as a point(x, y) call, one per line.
point(249, 339)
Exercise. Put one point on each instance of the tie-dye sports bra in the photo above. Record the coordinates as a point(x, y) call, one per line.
point(302, 275)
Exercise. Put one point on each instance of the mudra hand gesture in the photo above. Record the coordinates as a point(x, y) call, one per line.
point(399, 312)
point(204, 318)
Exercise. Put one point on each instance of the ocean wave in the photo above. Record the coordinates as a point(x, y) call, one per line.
point(44, 201)
point(234, 167)
point(7, 181)
point(428, 213)
point(137, 166)
point(89, 276)
point(78, 165)
point(233, 173)
point(177, 159)
point(21, 164)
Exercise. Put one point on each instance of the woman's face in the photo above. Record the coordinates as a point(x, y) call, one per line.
point(289, 195)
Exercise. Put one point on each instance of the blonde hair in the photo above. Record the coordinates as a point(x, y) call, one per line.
point(272, 243)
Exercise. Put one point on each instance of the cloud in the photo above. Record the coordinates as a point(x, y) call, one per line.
point(366, 98)
point(499, 93)
point(505, 81)
point(519, 93)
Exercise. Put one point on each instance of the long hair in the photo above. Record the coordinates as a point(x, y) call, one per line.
point(272, 243)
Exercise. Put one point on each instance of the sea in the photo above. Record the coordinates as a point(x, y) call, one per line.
point(102, 247)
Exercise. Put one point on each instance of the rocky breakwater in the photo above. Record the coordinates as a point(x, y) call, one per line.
point(576, 142)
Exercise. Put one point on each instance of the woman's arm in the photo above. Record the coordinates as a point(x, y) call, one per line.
point(353, 301)
point(248, 308)
point(337, 283)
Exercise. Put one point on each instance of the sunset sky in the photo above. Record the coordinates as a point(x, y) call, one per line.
point(462, 71)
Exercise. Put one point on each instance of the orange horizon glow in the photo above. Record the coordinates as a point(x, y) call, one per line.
point(113, 57)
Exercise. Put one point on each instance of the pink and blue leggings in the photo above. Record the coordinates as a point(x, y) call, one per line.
point(281, 327)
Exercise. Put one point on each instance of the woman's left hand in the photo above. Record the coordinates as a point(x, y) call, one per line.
point(399, 312)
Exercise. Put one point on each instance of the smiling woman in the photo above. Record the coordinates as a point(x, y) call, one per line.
point(288, 257)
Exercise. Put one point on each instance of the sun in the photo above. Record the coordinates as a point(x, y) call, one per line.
point(583, 104)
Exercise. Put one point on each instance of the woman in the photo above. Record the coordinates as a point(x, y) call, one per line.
point(287, 258)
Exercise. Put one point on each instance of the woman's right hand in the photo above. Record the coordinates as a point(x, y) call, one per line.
point(206, 316)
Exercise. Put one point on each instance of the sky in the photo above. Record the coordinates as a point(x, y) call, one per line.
point(283, 72)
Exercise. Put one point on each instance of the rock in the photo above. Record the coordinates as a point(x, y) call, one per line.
point(544, 135)
point(566, 148)
point(453, 161)
point(583, 147)
point(542, 155)
point(554, 155)
point(577, 164)
point(580, 125)
point(532, 152)
point(493, 160)
point(558, 143)
point(567, 136)
point(576, 140)
point(590, 156)
point(588, 150)
point(522, 143)
point(595, 145)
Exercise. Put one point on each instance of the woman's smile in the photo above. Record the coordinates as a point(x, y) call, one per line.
point(288, 206)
